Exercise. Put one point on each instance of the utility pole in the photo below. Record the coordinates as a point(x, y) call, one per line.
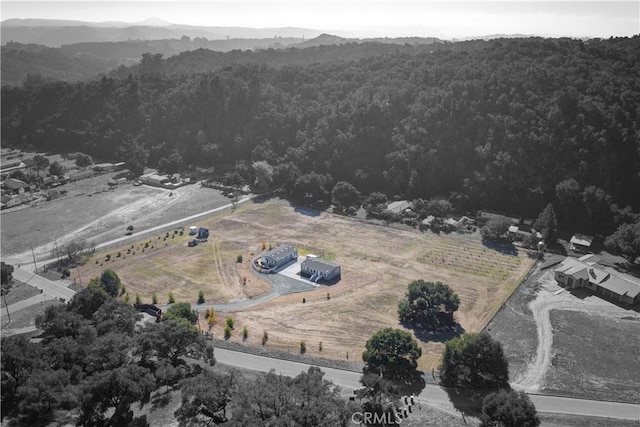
point(34, 260)
point(4, 295)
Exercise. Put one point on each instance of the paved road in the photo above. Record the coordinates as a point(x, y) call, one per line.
point(49, 287)
point(432, 395)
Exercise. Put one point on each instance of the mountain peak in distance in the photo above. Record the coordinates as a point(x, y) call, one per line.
point(154, 21)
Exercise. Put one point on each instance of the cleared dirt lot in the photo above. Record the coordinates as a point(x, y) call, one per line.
point(594, 356)
point(377, 264)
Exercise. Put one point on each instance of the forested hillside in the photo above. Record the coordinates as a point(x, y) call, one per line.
point(504, 124)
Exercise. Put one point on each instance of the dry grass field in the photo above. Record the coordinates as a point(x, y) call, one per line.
point(608, 371)
point(377, 265)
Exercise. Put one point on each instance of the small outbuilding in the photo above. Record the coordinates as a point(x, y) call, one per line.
point(203, 233)
point(581, 243)
point(398, 207)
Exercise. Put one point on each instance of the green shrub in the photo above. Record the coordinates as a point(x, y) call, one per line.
point(239, 258)
point(126, 298)
point(200, 297)
point(154, 298)
point(245, 333)
point(229, 321)
point(320, 346)
point(265, 337)
point(227, 332)
point(172, 299)
point(303, 347)
point(138, 299)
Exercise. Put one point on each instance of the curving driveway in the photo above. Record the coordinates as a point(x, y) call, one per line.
point(553, 297)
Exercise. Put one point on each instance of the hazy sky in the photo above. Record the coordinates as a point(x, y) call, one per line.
point(447, 19)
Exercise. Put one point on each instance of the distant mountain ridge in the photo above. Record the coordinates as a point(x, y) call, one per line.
point(54, 33)
point(88, 60)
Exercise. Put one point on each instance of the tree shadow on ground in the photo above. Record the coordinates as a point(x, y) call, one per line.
point(263, 198)
point(503, 248)
point(467, 401)
point(412, 384)
point(556, 247)
point(442, 334)
point(405, 380)
point(307, 211)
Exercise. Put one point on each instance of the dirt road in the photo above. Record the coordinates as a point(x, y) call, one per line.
point(553, 297)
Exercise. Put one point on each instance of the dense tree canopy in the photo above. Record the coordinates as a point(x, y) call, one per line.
point(393, 352)
point(93, 360)
point(306, 400)
point(181, 311)
point(496, 229)
point(503, 124)
point(345, 195)
point(546, 222)
point(509, 409)
point(108, 281)
point(428, 304)
point(474, 361)
point(626, 240)
point(7, 274)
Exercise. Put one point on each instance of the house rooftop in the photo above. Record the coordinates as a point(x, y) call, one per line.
point(14, 184)
point(581, 239)
point(280, 252)
point(587, 267)
point(428, 220)
point(398, 206)
point(319, 265)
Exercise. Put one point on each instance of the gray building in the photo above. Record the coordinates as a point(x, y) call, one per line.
point(317, 269)
point(278, 256)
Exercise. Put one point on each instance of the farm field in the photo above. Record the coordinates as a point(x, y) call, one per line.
point(377, 265)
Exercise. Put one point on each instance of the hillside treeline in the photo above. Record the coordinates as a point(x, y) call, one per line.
point(505, 124)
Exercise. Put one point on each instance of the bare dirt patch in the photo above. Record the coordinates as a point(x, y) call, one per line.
point(594, 356)
point(377, 264)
